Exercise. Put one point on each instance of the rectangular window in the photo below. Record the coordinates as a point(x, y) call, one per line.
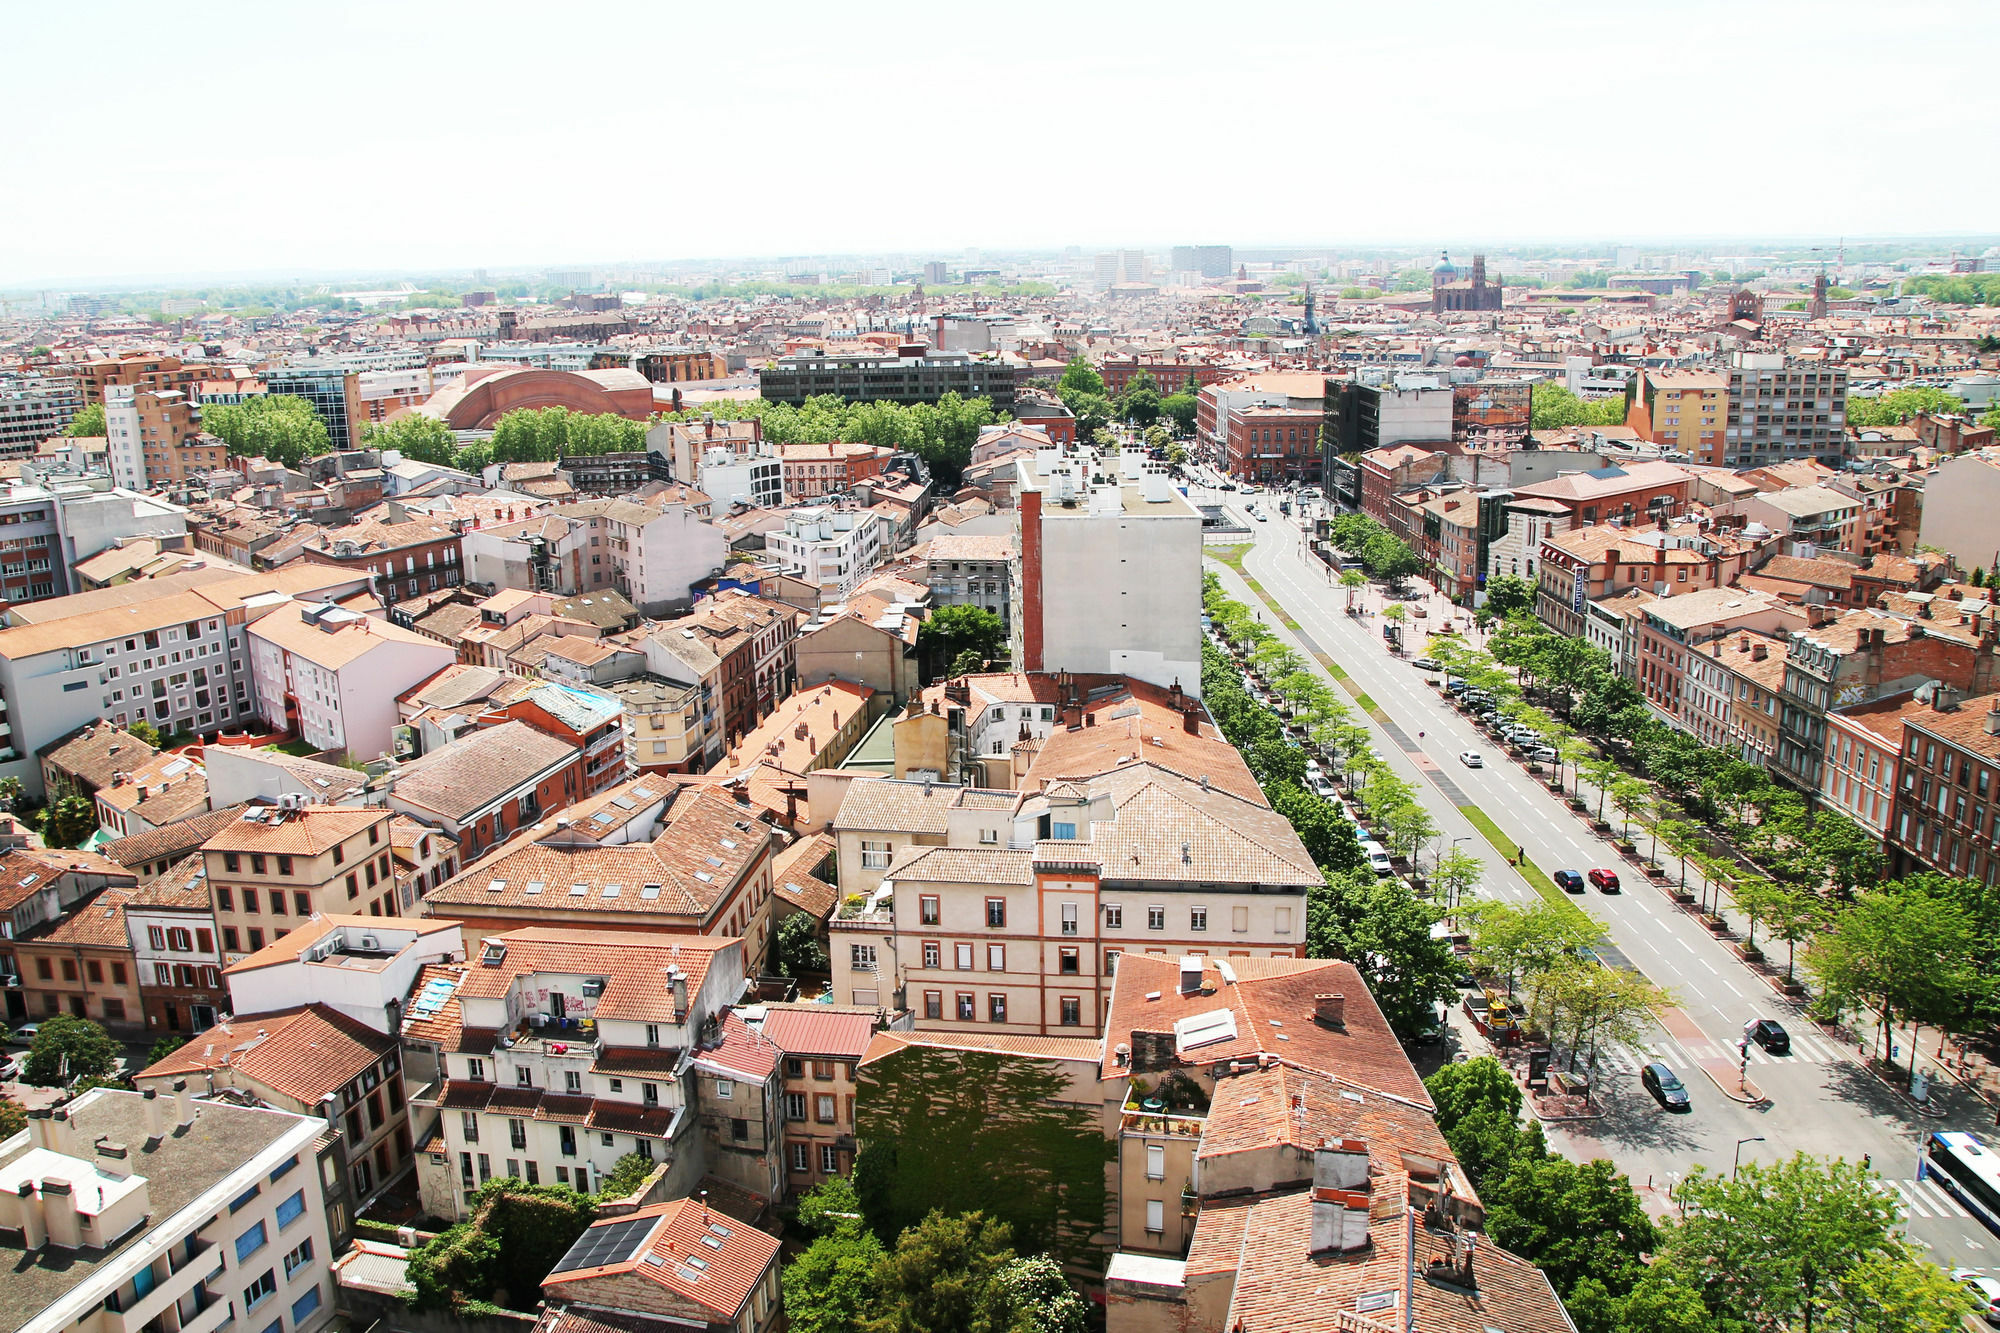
point(933, 1004)
point(1239, 919)
point(829, 1159)
point(1156, 1161)
point(996, 911)
point(961, 956)
point(933, 953)
point(250, 1242)
point(1071, 961)
point(801, 1156)
point(996, 958)
point(927, 909)
point(824, 1107)
point(1156, 918)
point(1197, 918)
point(1114, 916)
point(874, 855)
point(862, 957)
point(1069, 918)
point(996, 1008)
point(795, 1106)
point(1156, 1216)
point(1072, 1011)
point(292, 1209)
point(263, 1289)
point(1111, 962)
point(298, 1257)
point(967, 1007)
point(303, 1307)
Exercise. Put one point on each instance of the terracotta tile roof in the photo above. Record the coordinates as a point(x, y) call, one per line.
point(466, 774)
point(1281, 1106)
point(1280, 1284)
point(1271, 1004)
point(25, 871)
point(816, 1030)
point(739, 1049)
point(733, 1258)
point(163, 790)
point(632, 963)
point(306, 832)
point(950, 546)
point(1169, 828)
point(97, 753)
point(887, 803)
point(793, 880)
point(1083, 1049)
point(96, 923)
point(302, 1053)
point(182, 885)
point(171, 840)
point(965, 865)
point(706, 846)
point(445, 1024)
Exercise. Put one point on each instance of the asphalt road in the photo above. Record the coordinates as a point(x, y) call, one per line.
point(1820, 1099)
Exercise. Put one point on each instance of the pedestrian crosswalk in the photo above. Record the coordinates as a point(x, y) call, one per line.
point(1623, 1058)
point(1926, 1198)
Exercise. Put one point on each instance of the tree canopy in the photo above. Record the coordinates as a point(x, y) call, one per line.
point(1898, 405)
point(425, 439)
point(1553, 407)
point(67, 1048)
point(284, 428)
point(940, 433)
point(88, 423)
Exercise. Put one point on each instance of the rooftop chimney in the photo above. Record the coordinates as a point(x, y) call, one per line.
point(156, 1117)
point(1993, 719)
point(62, 1133)
point(59, 1215)
point(34, 1232)
point(1190, 973)
point(183, 1104)
point(113, 1158)
point(1340, 1197)
point(1331, 1010)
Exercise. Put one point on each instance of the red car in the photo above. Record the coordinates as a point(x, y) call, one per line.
point(1605, 880)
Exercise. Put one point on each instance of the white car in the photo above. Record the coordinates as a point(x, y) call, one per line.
point(1325, 790)
point(1984, 1289)
point(1471, 759)
point(1377, 857)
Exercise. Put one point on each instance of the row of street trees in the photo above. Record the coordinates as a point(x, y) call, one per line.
point(1378, 923)
point(940, 433)
point(1383, 554)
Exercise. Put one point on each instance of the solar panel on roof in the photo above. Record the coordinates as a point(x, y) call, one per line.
point(607, 1243)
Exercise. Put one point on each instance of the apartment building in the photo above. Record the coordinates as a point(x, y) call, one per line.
point(1362, 416)
point(653, 555)
point(406, 554)
point(821, 471)
point(156, 440)
point(271, 869)
point(333, 389)
point(81, 962)
point(1303, 396)
point(487, 785)
point(122, 1210)
point(1682, 410)
point(967, 570)
point(330, 676)
point(687, 444)
point(915, 374)
point(33, 409)
point(1946, 817)
point(1666, 558)
point(139, 370)
point(309, 1060)
point(361, 968)
point(700, 866)
point(1019, 926)
point(1108, 576)
point(820, 1048)
point(833, 550)
point(735, 1075)
point(1674, 634)
point(1864, 752)
point(551, 1053)
point(1865, 655)
point(755, 641)
point(174, 651)
point(1780, 409)
point(170, 921)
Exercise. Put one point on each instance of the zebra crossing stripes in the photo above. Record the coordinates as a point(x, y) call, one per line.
point(1926, 1198)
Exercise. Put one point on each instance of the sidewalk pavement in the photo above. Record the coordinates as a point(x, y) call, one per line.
point(1728, 1077)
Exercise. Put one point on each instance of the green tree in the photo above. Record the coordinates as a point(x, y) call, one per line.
point(941, 1277)
point(1508, 594)
point(1524, 942)
point(1039, 1298)
point(285, 429)
point(12, 1118)
point(1080, 376)
point(1180, 408)
point(72, 818)
point(67, 1048)
point(832, 1285)
point(164, 1047)
point(799, 950)
point(1140, 405)
point(1594, 1004)
point(10, 793)
point(88, 423)
point(954, 630)
point(1553, 407)
point(1906, 953)
point(627, 1174)
point(1456, 876)
point(144, 731)
point(1898, 405)
point(1329, 839)
point(1479, 1107)
point(1573, 1221)
point(426, 439)
point(1779, 1246)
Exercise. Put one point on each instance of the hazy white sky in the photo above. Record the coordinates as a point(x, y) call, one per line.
point(289, 137)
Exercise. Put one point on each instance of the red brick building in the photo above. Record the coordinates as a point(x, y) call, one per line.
point(408, 555)
point(1272, 445)
point(1171, 374)
point(815, 470)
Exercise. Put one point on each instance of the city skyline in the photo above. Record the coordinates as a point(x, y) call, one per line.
point(444, 148)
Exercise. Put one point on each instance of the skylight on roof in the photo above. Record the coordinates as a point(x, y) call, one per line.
point(613, 890)
point(578, 890)
point(496, 885)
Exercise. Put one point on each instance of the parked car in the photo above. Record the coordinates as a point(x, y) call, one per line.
point(1543, 754)
point(1471, 759)
point(1325, 790)
point(1605, 880)
point(1665, 1086)
point(1378, 857)
point(1985, 1290)
point(1770, 1034)
point(1458, 687)
point(1568, 881)
point(1428, 664)
point(25, 1033)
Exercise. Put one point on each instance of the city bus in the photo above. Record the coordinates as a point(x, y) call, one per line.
point(1968, 1169)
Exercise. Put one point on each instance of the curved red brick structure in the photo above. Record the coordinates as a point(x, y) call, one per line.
point(484, 394)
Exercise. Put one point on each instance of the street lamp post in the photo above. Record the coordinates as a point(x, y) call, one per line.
point(1738, 1163)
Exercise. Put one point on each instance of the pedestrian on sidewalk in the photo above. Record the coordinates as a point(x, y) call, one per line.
point(1520, 855)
